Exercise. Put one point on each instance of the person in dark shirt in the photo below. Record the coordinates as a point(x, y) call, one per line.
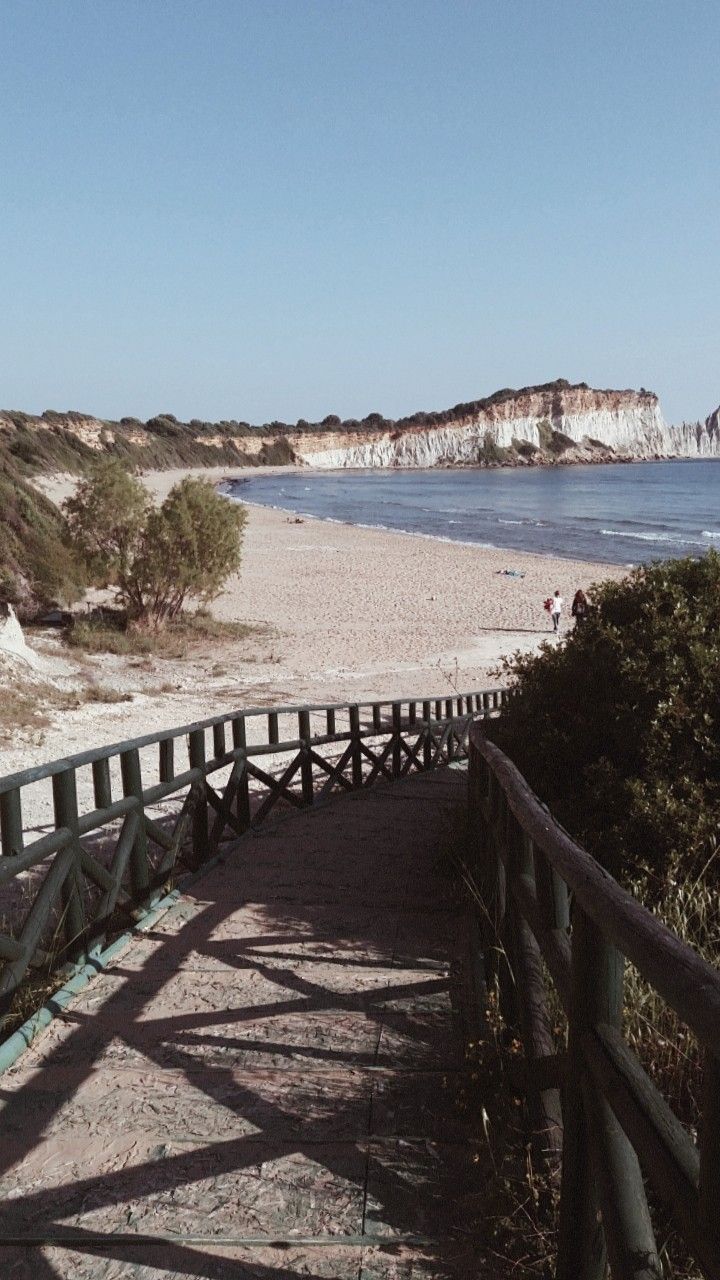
point(579, 608)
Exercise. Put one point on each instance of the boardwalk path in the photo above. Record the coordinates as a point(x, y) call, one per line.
point(278, 1060)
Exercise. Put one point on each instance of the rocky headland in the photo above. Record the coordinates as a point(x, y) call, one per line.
point(557, 422)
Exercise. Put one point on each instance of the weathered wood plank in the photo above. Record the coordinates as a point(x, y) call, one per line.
point(132, 786)
point(66, 815)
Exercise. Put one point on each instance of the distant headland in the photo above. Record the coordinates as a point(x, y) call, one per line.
point(557, 422)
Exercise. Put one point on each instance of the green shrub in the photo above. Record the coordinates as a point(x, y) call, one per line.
point(525, 448)
point(552, 441)
point(618, 729)
point(157, 558)
point(490, 452)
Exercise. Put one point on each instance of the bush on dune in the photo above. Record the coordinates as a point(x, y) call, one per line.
point(156, 558)
point(618, 729)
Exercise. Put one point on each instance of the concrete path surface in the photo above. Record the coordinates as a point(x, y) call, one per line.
point(265, 1084)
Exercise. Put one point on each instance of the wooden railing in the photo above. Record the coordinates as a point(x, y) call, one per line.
point(118, 822)
point(548, 908)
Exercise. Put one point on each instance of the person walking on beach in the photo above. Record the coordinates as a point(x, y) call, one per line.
point(579, 607)
point(556, 610)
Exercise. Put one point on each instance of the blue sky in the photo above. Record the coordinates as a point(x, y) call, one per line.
point(268, 209)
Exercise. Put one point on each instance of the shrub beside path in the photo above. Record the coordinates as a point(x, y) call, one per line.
point(266, 1084)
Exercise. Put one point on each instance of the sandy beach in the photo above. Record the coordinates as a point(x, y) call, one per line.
point(338, 613)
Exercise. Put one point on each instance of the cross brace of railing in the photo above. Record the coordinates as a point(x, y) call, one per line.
point(183, 792)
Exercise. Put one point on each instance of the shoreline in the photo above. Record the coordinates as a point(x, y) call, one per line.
point(431, 537)
point(333, 613)
point(58, 486)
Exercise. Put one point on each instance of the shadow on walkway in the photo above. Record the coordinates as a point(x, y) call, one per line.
point(268, 1083)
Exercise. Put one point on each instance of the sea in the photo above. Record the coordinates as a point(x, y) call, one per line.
point(618, 513)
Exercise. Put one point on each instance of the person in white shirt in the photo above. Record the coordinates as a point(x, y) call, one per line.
point(556, 610)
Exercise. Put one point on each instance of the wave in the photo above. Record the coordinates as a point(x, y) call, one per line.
point(641, 537)
point(711, 533)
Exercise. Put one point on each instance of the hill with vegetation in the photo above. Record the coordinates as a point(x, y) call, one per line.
point(37, 564)
point(537, 424)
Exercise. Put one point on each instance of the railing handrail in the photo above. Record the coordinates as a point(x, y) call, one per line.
point(36, 773)
point(210, 782)
point(545, 898)
point(673, 968)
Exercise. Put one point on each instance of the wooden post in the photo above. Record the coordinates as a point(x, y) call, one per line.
point(599, 1164)
point(493, 890)
point(330, 720)
point(101, 783)
point(200, 834)
point(273, 729)
point(11, 825)
point(219, 747)
point(167, 760)
point(306, 770)
point(397, 729)
point(427, 743)
point(356, 755)
point(132, 786)
point(412, 713)
point(476, 834)
point(710, 1152)
point(450, 737)
point(242, 795)
point(543, 1101)
point(66, 815)
point(552, 894)
point(376, 717)
point(506, 916)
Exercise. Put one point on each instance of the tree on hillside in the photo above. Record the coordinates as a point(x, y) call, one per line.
point(157, 558)
point(618, 729)
point(107, 519)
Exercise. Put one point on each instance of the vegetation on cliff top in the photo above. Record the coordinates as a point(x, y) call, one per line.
point(51, 442)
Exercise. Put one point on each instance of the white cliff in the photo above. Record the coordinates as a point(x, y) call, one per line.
point(556, 423)
point(700, 439)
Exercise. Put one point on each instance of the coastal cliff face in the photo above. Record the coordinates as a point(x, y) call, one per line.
point(704, 436)
point(550, 424)
point(541, 425)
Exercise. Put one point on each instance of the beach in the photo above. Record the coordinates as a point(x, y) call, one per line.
point(335, 613)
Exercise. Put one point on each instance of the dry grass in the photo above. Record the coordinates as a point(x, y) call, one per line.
point(106, 631)
point(667, 1049)
point(27, 707)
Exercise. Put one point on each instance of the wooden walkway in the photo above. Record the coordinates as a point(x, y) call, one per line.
point(265, 1084)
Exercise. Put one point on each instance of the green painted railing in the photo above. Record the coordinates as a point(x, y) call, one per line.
point(121, 820)
point(549, 909)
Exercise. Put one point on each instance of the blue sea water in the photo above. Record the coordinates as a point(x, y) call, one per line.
point(621, 514)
